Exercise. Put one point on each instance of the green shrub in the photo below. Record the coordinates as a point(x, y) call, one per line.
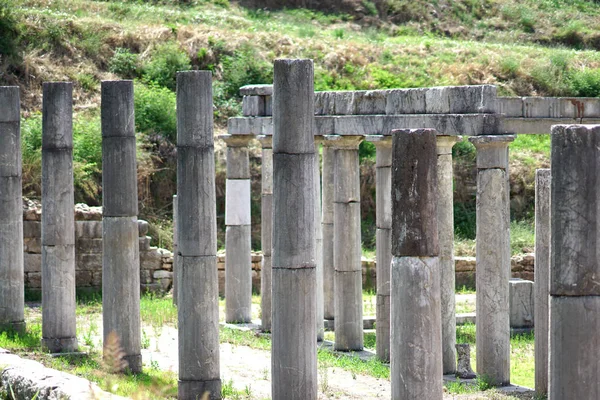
point(155, 111)
point(124, 63)
point(245, 67)
point(370, 7)
point(166, 60)
point(226, 106)
point(586, 82)
point(9, 30)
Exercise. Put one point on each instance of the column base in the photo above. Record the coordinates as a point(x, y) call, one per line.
point(60, 345)
point(192, 390)
point(16, 326)
point(134, 363)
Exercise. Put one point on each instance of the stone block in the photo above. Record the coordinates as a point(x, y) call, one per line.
point(268, 105)
point(160, 274)
point(461, 99)
point(144, 243)
point(167, 266)
point(88, 261)
point(35, 279)
point(83, 212)
point(369, 102)
point(405, 101)
point(32, 245)
point(146, 276)
point(32, 229)
point(521, 300)
point(32, 262)
point(88, 245)
point(83, 278)
point(88, 229)
point(257, 90)
point(510, 106)
point(253, 106)
point(143, 228)
point(97, 279)
point(151, 259)
point(324, 103)
point(541, 107)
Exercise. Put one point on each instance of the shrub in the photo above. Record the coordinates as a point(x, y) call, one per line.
point(166, 60)
point(155, 111)
point(9, 30)
point(245, 67)
point(124, 63)
point(586, 82)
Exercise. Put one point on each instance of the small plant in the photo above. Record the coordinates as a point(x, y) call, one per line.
point(166, 60)
point(155, 110)
point(124, 63)
point(484, 383)
point(90, 333)
point(145, 340)
point(113, 355)
point(370, 7)
point(339, 33)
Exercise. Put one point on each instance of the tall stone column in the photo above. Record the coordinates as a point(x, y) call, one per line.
point(542, 278)
point(493, 259)
point(120, 250)
point(574, 284)
point(294, 347)
point(266, 230)
point(445, 210)
point(347, 250)
point(59, 333)
point(416, 331)
point(175, 251)
point(238, 260)
point(12, 295)
point(198, 294)
point(383, 165)
point(319, 242)
point(327, 229)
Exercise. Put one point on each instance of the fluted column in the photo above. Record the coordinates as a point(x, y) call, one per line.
point(59, 333)
point(383, 191)
point(198, 293)
point(319, 242)
point(238, 260)
point(493, 258)
point(266, 230)
point(175, 251)
point(327, 229)
point(12, 294)
point(347, 247)
point(120, 250)
point(445, 210)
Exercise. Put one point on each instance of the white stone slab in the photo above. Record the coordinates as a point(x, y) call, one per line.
point(237, 202)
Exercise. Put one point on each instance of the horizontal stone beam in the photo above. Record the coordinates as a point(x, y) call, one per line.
point(550, 107)
point(541, 125)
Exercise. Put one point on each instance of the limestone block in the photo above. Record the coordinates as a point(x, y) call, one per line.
point(253, 106)
point(160, 274)
point(144, 243)
point(167, 266)
point(541, 107)
point(88, 261)
point(32, 262)
point(32, 229)
point(521, 300)
point(405, 101)
point(97, 279)
point(268, 105)
point(574, 344)
point(146, 276)
point(237, 206)
point(343, 103)
point(83, 278)
point(10, 142)
point(83, 212)
point(510, 106)
point(32, 245)
point(35, 280)
point(85, 245)
point(256, 90)
point(461, 99)
point(238, 166)
point(369, 102)
point(324, 103)
point(88, 229)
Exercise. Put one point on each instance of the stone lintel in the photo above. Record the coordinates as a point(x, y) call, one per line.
point(445, 143)
point(380, 140)
point(257, 90)
point(492, 150)
point(237, 140)
point(266, 141)
point(350, 142)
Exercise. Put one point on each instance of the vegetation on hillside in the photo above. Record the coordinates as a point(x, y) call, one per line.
point(527, 47)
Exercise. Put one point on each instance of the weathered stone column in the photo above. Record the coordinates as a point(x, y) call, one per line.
point(493, 259)
point(575, 268)
point(175, 251)
point(542, 278)
point(238, 260)
point(383, 165)
point(59, 333)
point(294, 347)
point(416, 330)
point(347, 250)
point(327, 229)
point(121, 253)
point(319, 242)
point(266, 230)
point(445, 210)
point(12, 294)
point(198, 303)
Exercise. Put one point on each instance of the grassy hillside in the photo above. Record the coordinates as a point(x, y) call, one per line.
point(527, 47)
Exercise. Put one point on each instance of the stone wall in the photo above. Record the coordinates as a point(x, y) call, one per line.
point(156, 265)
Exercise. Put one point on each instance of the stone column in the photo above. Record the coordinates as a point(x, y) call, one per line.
point(383, 165)
point(542, 278)
point(493, 259)
point(238, 260)
point(12, 295)
point(575, 268)
point(319, 242)
point(120, 250)
point(327, 229)
point(445, 211)
point(347, 249)
point(59, 333)
point(198, 294)
point(416, 331)
point(175, 250)
point(266, 230)
point(294, 347)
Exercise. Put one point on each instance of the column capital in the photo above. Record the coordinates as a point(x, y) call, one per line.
point(266, 141)
point(380, 141)
point(492, 150)
point(236, 140)
point(319, 139)
point(445, 143)
point(348, 142)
